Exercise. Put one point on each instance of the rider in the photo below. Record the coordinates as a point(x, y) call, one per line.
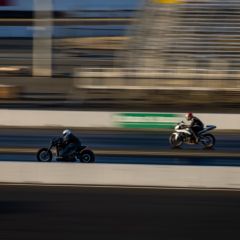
point(70, 143)
point(195, 126)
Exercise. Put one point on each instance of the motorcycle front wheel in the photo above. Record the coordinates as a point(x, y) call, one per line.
point(44, 155)
point(208, 141)
point(175, 143)
point(87, 156)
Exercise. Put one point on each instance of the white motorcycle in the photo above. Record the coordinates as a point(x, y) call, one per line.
point(183, 134)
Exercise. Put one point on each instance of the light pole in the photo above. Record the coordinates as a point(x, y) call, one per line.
point(42, 38)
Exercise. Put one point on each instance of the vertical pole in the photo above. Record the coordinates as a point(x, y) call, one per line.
point(42, 38)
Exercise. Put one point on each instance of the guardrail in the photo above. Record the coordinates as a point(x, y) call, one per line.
point(152, 77)
point(67, 21)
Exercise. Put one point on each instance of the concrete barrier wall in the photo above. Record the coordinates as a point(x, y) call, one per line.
point(90, 119)
point(50, 118)
point(120, 175)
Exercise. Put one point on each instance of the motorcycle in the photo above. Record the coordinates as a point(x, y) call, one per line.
point(83, 153)
point(183, 134)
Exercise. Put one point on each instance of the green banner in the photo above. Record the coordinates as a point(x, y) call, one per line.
point(147, 120)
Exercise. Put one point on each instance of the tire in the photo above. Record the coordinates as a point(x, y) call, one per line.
point(208, 141)
point(175, 143)
point(44, 155)
point(86, 156)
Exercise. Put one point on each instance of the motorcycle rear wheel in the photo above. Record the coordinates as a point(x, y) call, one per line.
point(87, 156)
point(44, 155)
point(208, 141)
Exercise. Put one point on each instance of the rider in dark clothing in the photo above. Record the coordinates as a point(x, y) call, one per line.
point(70, 143)
point(196, 124)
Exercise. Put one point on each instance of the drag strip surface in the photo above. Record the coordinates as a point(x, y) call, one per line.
point(188, 161)
point(123, 147)
point(107, 139)
point(37, 212)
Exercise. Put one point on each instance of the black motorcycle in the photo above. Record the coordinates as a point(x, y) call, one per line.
point(83, 153)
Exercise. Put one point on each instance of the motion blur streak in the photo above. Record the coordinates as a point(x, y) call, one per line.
point(137, 54)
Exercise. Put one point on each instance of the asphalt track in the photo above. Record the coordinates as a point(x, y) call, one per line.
point(35, 212)
point(77, 212)
point(123, 147)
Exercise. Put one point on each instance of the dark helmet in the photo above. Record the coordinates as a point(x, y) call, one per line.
point(189, 116)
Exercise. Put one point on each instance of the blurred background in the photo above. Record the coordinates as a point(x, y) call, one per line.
point(128, 54)
point(130, 64)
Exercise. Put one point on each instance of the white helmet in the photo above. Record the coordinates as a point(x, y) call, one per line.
point(66, 132)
